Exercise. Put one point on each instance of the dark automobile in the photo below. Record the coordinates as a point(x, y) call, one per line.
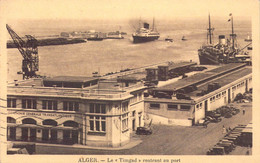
point(214, 120)
point(203, 123)
point(143, 131)
point(227, 146)
point(228, 115)
point(217, 150)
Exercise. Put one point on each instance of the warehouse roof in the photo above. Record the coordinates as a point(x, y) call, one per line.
point(70, 79)
point(224, 80)
point(200, 77)
point(178, 65)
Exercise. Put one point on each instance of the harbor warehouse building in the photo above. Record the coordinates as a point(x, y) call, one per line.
point(187, 100)
point(74, 110)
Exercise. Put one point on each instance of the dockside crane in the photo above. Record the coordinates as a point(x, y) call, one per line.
point(29, 51)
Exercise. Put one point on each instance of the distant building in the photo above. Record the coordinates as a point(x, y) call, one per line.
point(74, 110)
point(186, 101)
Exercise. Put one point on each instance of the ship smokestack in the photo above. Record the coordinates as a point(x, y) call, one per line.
point(146, 25)
point(222, 40)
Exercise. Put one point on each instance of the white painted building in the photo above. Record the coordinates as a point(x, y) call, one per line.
point(99, 115)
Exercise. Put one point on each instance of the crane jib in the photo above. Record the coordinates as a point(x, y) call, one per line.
point(29, 51)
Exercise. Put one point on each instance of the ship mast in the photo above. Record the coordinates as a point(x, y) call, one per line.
point(140, 22)
point(233, 35)
point(153, 24)
point(210, 32)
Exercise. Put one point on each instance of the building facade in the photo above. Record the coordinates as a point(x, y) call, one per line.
point(193, 105)
point(103, 115)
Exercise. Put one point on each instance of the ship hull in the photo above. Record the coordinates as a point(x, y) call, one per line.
point(142, 39)
point(94, 39)
point(207, 59)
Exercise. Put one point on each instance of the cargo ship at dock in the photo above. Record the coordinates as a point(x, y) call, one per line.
point(145, 33)
point(225, 51)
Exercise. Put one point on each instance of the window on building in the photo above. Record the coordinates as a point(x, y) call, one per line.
point(133, 99)
point(154, 106)
point(124, 121)
point(133, 113)
point(140, 96)
point(198, 106)
point(49, 105)
point(11, 120)
point(125, 107)
point(29, 121)
point(29, 104)
point(185, 107)
point(172, 107)
point(70, 106)
point(50, 122)
point(97, 108)
point(97, 123)
point(11, 103)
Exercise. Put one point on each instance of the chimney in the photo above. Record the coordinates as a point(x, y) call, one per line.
point(222, 40)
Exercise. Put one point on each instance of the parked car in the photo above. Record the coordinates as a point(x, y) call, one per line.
point(203, 123)
point(228, 142)
point(233, 139)
point(213, 120)
point(227, 147)
point(228, 115)
point(217, 150)
point(143, 131)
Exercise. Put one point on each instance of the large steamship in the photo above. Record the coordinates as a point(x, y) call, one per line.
point(145, 33)
point(225, 51)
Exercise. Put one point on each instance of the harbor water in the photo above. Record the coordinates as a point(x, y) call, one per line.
point(111, 55)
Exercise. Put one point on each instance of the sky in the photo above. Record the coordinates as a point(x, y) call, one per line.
point(126, 9)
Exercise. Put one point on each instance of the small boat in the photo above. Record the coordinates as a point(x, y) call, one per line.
point(183, 38)
point(248, 39)
point(168, 39)
point(96, 74)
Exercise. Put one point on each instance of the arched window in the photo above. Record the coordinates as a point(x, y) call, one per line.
point(11, 120)
point(29, 121)
point(49, 122)
point(71, 124)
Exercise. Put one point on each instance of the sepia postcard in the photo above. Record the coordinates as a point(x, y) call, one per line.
point(134, 81)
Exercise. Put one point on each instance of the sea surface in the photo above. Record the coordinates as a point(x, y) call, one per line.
point(114, 55)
